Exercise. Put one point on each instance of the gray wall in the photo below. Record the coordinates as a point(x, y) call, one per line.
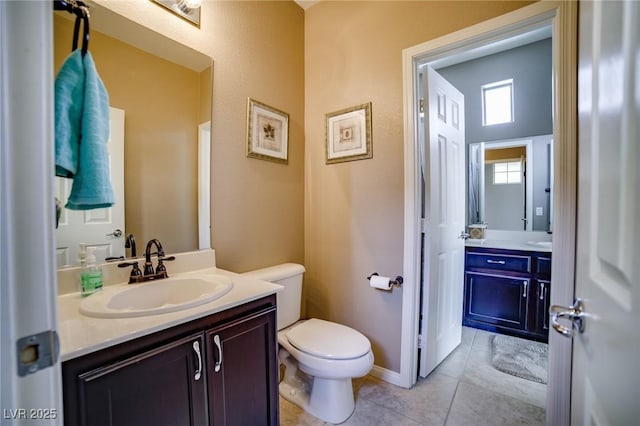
point(541, 164)
point(530, 68)
point(504, 204)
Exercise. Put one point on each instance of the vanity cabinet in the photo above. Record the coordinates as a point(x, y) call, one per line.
point(242, 372)
point(182, 375)
point(507, 291)
point(162, 386)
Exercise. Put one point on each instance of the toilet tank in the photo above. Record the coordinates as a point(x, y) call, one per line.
point(289, 300)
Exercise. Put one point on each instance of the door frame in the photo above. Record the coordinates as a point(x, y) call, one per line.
point(563, 19)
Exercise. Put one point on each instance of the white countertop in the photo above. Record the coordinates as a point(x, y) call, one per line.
point(510, 245)
point(80, 335)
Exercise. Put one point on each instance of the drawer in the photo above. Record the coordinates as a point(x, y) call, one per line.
point(543, 267)
point(501, 262)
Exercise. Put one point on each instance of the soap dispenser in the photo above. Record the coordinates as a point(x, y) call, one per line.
point(90, 274)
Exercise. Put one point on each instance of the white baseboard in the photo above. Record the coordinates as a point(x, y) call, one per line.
point(386, 375)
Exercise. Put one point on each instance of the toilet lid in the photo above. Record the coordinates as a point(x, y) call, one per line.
point(329, 340)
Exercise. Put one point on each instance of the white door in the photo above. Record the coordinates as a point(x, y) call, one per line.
point(30, 377)
point(444, 220)
point(606, 377)
point(99, 228)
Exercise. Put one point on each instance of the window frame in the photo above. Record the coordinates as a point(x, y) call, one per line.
point(508, 172)
point(492, 86)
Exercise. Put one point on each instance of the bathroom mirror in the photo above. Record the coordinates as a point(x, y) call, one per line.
point(165, 91)
point(510, 184)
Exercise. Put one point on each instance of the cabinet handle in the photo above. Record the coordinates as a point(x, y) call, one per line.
point(196, 349)
point(499, 262)
point(542, 291)
point(526, 285)
point(218, 364)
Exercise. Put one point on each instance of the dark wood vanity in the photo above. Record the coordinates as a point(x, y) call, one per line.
point(217, 370)
point(507, 291)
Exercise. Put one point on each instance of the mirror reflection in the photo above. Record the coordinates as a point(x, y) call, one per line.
point(510, 184)
point(161, 107)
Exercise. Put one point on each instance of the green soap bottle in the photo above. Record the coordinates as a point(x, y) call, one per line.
point(90, 274)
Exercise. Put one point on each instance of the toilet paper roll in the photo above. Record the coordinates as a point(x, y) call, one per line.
point(378, 281)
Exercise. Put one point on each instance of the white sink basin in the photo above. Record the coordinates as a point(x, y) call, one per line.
point(155, 297)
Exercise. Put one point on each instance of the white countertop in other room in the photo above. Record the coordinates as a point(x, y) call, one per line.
point(539, 246)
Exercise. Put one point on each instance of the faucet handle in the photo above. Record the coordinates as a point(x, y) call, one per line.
point(135, 271)
point(161, 269)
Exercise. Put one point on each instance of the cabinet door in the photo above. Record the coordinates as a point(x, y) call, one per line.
point(243, 372)
point(496, 299)
point(164, 386)
point(542, 307)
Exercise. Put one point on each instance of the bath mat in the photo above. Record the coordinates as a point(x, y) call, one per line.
point(520, 357)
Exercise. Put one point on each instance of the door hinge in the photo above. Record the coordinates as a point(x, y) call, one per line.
point(420, 341)
point(421, 105)
point(37, 351)
point(423, 225)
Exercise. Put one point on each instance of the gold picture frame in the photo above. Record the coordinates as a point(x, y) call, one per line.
point(348, 134)
point(184, 9)
point(267, 132)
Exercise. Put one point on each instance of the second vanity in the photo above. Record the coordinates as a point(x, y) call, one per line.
point(212, 364)
point(507, 287)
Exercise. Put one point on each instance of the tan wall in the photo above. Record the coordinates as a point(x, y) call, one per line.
point(505, 153)
point(163, 104)
point(354, 211)
point(336, 55)
point(258, 51)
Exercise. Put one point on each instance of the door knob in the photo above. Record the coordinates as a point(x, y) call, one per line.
point(575, 314)
point(463, 235)
point(117, 234)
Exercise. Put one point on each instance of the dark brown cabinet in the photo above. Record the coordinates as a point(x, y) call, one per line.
point(163, 386)
point(507, 291)
point(240, 385)
point(217, 370)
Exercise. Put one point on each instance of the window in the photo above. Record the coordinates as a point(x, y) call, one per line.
point(507, 172)
point(497, 103)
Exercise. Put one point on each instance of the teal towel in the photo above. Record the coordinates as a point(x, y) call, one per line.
point(91, 187)
point(69, 99)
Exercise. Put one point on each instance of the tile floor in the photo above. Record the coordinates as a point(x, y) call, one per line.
point(464, 390)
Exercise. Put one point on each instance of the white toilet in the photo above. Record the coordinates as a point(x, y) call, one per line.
point(331, 354)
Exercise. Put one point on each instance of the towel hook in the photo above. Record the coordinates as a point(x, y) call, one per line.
point(81, 10)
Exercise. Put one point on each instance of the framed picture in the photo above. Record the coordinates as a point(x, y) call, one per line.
point(188, 10)
point(348, 134)
point(267, 132)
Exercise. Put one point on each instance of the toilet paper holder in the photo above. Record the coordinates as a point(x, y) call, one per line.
point(397, 282)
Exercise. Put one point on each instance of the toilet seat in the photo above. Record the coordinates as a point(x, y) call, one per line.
point(328, 340)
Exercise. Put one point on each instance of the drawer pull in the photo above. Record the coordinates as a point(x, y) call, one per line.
point(541, 291)
point(196, 349)
point(499, 262)
point(526, 285)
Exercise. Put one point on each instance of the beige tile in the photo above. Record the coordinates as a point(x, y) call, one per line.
point(292, 415)
point(482, 341)
point(454, 365)
point(464, 390)
point(480, 372)
point(427, 402)
point(477, 406)
point(368, 413)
